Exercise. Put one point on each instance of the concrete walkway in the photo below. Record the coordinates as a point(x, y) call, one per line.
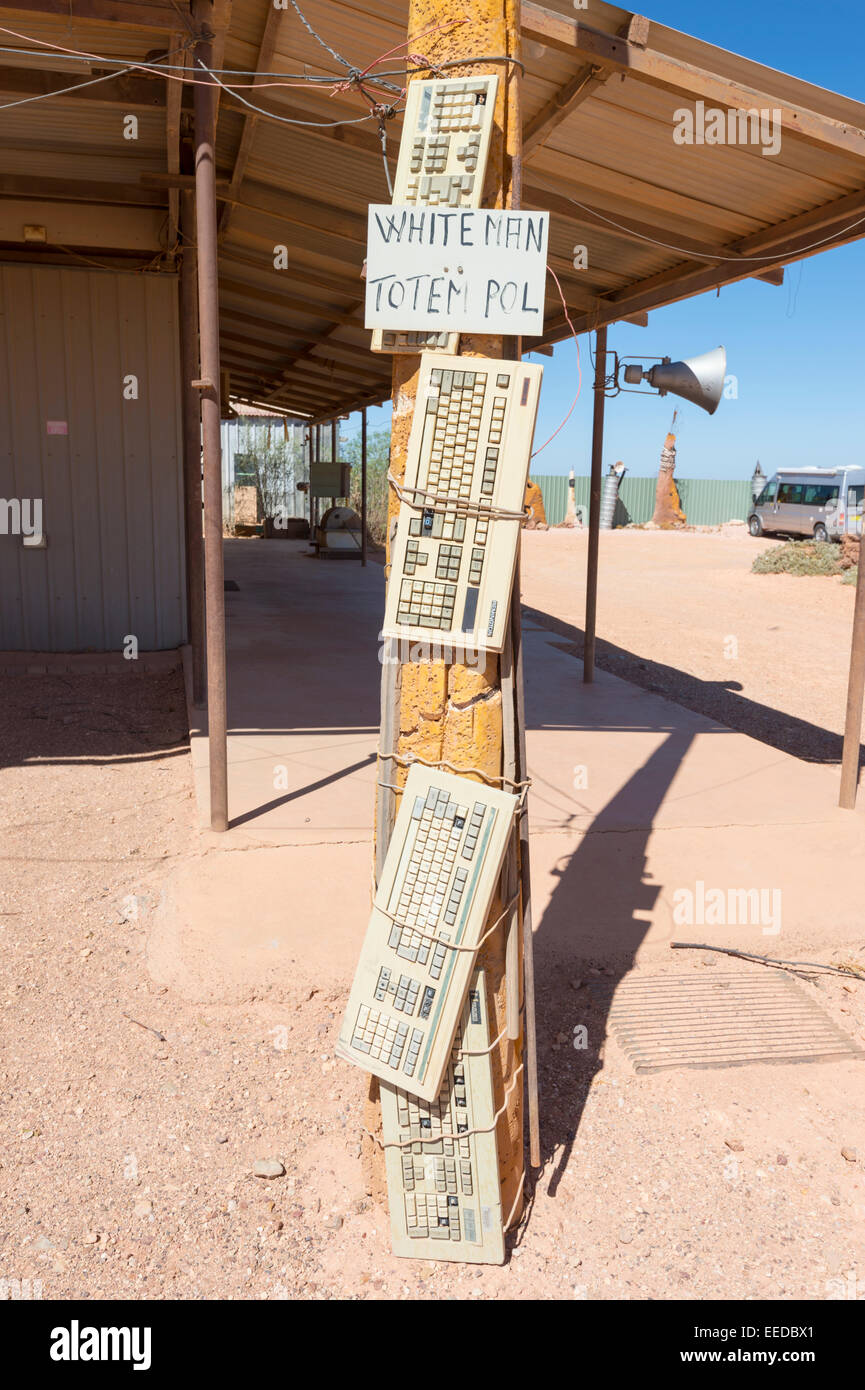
point(635, 803)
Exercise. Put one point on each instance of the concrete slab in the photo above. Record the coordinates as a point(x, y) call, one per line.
point(303, 696)
point(635, 803)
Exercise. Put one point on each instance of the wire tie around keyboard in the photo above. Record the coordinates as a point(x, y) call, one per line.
point(479, 509)
point(520, 1185)
point(480, 1051)
point(443, 1138)
point(406, 760)
point(451, 945)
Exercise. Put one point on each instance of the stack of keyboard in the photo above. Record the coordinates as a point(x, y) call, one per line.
point(417, 1014)
point(439, 878)
point(417, 1009)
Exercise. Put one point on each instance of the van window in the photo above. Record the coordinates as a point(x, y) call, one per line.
point(791, 493)
point(854, 496)
point(768, 493)
point(819, 494)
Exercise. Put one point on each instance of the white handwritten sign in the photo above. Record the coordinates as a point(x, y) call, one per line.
point(473, 270)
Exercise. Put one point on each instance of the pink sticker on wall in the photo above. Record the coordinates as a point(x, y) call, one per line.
point(57, 426)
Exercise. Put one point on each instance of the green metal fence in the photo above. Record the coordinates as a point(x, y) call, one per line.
point(705, 501)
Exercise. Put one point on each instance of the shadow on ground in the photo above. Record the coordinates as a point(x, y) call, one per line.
point(718, 700)
point(92, 718)
point(606, 876)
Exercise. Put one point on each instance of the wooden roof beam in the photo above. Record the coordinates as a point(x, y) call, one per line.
point(156, 15)
point(133, 91)
point(671, 74)
point(562, 104)
point(77, 190)
point(575, 91)
point(813, 224)
point(266, 54)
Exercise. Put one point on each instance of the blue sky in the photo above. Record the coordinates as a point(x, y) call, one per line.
point(797, 351)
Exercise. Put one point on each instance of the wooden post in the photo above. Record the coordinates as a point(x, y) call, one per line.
point(855, 689)
point(453, 712)
point(191, 404)
point(208, 337)
point(595, 505)
point(363, 541)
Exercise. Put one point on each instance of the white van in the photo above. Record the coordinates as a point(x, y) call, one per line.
point(825, 503)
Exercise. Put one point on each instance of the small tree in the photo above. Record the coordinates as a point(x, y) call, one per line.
point(274, 468)
point(377, 464)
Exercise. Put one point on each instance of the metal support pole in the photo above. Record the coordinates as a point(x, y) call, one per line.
point(309, 476)
point(333, 450)
point(363, 543)
point(318, 460)
point(191, 404)
point(595, 505)
point(208, 335)
point(855, 691)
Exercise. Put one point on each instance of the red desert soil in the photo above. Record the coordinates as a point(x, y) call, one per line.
point(682, 614)
point(126, 1157)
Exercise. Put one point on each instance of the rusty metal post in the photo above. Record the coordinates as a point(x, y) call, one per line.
point(595, 505)
point(363, 541)
point(191, 409)
point(318, 460)
point(333, 450)
point(453, 712)
point(855, 691)
point(208, 336)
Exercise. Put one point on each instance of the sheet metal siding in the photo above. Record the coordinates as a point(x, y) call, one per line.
point(249, 436)
point(705, 501)
point(112, 487)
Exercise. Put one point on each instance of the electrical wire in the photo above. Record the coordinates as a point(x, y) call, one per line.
point(284, 120)
point(75, 55)
point(543, 446)
point(163, 69)
point(306, 24)
point(382, 135)
point(357, 77)
point(687, 253)
point(75, 87)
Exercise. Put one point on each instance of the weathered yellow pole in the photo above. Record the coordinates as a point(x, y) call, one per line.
point(453, 713)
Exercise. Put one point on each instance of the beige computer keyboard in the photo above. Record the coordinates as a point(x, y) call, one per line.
point(441, 1156)
point(452, 561)
point(442, 163)
point(439, 877)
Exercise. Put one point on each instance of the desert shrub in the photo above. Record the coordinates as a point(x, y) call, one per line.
point(850, 576)
point(800, 558)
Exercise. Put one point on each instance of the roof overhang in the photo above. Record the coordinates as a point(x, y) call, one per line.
point(660, 221)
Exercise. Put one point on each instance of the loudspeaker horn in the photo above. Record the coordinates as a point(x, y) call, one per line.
point(699, 380)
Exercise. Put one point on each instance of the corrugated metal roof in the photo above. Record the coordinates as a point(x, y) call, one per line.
point(653, 213)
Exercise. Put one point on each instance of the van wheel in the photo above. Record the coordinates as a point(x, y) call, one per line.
point(755, 526)
point(820, 532)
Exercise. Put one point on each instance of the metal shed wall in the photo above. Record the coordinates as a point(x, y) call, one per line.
point(111, 487)
point(250, 436)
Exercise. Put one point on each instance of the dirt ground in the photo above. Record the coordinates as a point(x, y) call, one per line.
point(682, 614)
point(131, 1117)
